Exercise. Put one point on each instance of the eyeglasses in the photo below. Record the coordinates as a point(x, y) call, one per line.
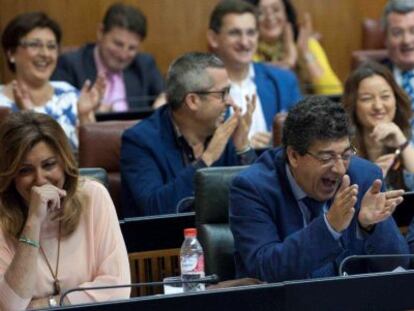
point(329, 159)
point(268, 11)
point(224, 93)
point(37, 45)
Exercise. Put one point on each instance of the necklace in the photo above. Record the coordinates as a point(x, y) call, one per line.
point(56, 284)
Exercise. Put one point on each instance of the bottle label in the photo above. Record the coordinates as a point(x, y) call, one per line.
point(193, 263)
point(200, 264)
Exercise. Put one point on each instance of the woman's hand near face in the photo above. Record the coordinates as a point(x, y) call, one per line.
point(45, 200)
point(389, 134)
point(22, 273)
point(305, 33)
point(311, 62)
point(290, 53)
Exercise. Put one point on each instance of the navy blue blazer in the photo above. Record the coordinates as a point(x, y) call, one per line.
point(154, 176)
point(277, 88)
point(143, 81)
point(410, 236)
point(271, 241)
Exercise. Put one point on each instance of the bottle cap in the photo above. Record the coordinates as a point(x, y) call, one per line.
point(190, 232)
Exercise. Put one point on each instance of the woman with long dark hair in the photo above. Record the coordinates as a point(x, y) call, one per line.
point(381, 112)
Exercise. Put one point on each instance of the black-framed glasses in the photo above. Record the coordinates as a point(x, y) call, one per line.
point(37, 45)
point(330, 159)
point(268, 11)
point(224, 93)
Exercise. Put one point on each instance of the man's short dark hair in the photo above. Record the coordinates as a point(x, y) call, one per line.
point(396, 6)
point(315, 118)
point(188, 74)
point(127, 17)
point(226, 7)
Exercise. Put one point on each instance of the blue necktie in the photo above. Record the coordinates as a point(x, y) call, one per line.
point(407, 84)
point(315, 207)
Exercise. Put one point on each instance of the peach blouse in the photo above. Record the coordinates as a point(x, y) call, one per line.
point(93, 255)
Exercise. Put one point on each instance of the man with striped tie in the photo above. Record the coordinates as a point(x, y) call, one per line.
point(398, 24)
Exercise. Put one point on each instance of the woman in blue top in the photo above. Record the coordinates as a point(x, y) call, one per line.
point(381, 112)
point(31, 44)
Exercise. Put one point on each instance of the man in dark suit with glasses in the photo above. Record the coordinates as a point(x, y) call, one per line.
point(299, 210)
point(160, 155)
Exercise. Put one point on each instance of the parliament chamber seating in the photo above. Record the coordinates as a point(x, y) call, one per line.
point(153, 244)
point(361, 56)
point(373, 37)
point(100, 146)
point(97, 173)
point(373, 44)
point(212, 220)
point(277, 128)
point(4, 112)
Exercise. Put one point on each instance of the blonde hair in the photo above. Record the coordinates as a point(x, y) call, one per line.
point(19, 133)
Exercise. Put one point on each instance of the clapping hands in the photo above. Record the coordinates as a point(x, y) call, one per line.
point(21, 96)
point(237, 127)
point(90, 98)
point(241, 133)
point(376, 206)
point(342, 210)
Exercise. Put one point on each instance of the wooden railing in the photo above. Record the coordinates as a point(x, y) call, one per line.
point(153, 266)
point(153, 245)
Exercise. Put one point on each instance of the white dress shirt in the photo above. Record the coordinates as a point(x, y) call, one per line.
point(238, 93)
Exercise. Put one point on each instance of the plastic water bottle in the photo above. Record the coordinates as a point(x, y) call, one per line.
point(192, 261)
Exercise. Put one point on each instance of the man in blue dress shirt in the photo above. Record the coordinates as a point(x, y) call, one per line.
point(233, 36)
point(299, 210)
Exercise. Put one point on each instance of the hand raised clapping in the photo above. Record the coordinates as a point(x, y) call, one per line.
point(290, 57)
point(376, 206)
point(342, 210)
point(237, 127)
point(305, 33)
point(241, 133)
point(90, 97)
point(21, 96)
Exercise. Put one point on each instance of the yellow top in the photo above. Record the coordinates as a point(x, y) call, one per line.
point(327, 83)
